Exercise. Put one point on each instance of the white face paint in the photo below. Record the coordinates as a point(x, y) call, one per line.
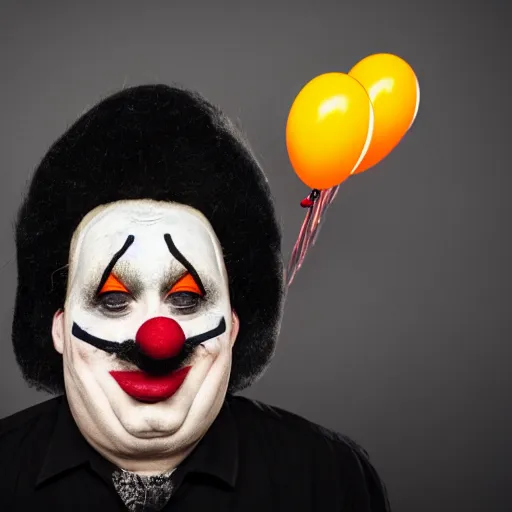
point(111, 419)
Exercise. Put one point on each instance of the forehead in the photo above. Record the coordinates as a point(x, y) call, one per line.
point(105, 230)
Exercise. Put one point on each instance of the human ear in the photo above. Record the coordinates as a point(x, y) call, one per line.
point(235, 327)
point(58, 331)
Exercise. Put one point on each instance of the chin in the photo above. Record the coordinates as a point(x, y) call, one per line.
point(151, 420)
point(165, 418)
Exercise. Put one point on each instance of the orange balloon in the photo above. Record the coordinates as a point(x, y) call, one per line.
point(394, 92)
point(328, 129)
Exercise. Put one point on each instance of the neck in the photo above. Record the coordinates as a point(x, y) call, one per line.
point(145, 457)
point(145, 464)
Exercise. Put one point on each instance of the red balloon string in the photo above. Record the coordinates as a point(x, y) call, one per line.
point(318, 202)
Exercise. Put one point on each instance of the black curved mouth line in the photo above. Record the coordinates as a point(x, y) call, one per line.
point(129, 350)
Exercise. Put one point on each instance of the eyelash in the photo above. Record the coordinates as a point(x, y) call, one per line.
point(102, 301)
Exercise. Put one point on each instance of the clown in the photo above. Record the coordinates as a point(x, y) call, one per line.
point(150, 291)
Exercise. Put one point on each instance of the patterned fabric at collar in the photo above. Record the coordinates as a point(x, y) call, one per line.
point(143, 493)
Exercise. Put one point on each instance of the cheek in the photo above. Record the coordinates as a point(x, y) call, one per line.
point(209, 320)
point(87, 369)
point(222, 343)
point(111, 329)
point(78, 354)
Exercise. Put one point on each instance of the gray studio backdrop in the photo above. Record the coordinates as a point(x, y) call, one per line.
point(397, 330)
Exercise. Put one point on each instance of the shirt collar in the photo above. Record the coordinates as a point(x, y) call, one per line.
point(216, 454)
point(67, 448)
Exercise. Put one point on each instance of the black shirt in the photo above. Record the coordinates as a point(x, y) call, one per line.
point(253, 458)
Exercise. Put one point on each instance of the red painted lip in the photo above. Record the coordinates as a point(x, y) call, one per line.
point(148, 388)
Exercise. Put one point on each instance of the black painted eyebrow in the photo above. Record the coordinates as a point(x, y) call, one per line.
point(115, 259)
point(177, 254)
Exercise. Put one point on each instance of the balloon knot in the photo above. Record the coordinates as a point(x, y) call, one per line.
point(309, 201)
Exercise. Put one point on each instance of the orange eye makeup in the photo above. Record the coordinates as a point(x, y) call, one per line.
point(113, 284)
point(186, 284)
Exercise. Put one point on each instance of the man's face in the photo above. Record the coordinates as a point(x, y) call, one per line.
point(147, 329)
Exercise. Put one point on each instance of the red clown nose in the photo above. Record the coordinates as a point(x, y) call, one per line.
point(160, 338)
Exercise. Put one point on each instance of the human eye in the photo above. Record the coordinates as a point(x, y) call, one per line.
point(184, 302)
point(114, 302)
